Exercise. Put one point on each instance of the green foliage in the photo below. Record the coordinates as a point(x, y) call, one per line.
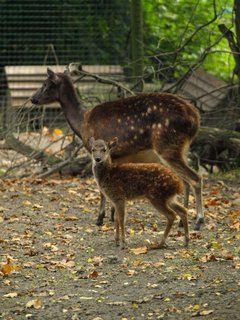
point(98, 32)
point(169, 25)
point(93, 32)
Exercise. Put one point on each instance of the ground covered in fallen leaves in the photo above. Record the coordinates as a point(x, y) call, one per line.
point(56, 263)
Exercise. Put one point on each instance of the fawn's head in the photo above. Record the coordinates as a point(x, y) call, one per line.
point(51, 88)
point(101, 150)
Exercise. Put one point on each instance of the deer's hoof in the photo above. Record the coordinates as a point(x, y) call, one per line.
point(186, 242)
point(99, 222)
point(123, 246)
point(198, 224)
point(180, 224)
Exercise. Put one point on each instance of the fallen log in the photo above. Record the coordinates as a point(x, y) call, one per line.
point(216, 147)
point(212, 147)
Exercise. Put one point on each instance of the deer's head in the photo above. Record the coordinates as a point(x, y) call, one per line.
point(101, 150)
point(51, 88)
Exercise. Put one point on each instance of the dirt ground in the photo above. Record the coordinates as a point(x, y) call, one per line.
point(55, 262)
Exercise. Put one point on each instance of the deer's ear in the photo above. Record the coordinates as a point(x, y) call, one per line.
point(67, 70)
point(91, 142)
point(113, 143)
point(52, 76)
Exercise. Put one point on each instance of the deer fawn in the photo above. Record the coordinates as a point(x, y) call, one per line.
point(122, 182)
point(148, 126)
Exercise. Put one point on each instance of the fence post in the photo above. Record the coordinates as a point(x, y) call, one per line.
point(137, 38)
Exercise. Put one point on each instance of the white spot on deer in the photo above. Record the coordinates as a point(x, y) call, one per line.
point(135, 137)
point(132, 128)
point(119, 120)
point(159, 126)
point(143, 114)
point(166, 122)
point(141, 131)
point(161, 109)
point(128, 118)
point(149, 110)
point(154, 126)
point(154, 108)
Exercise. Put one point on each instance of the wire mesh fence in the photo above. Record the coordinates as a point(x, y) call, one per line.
point(96, 36)
point(42, 33)
point(36, 34)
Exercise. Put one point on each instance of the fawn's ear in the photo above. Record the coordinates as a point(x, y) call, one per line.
point(113, 143)
point(52, 76)
point(91, 141)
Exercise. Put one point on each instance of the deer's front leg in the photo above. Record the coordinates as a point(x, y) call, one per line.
point(120, 222)
point(101, 214)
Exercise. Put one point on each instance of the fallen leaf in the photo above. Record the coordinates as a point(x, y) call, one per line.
point(8, 267)
point(131, 273)
point(139, 250)
point(26, 203)
point(105, 228)
point(93, 274)
point(11, 295)
point(196, 307)
point(35, 303)
point(58, 132)
point(209, 257)
point(117, 303)
point(205, 312)
point(71, 218)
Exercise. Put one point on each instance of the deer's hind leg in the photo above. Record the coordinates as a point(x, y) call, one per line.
point(175, 156)
point(169, 213)
point(182, 212)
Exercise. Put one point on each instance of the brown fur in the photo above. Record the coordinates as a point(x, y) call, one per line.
point(122, 182)
point(147, 125)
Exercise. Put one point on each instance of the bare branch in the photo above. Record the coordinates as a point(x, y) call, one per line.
point(76, 69)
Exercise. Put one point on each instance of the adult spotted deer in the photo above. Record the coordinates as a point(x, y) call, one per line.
point(128, 181)
point(146, 125)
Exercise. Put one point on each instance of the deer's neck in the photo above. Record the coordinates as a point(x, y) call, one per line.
point(101, 172)
point(73, 108)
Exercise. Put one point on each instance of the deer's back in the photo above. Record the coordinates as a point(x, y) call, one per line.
point(130, 180)
point(135, 120)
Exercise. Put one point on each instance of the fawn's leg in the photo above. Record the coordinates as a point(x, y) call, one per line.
point(120, 216)
point(182, 212)
point(101, 213)
point(116, 224)
point(169, 214)
point(186, 199)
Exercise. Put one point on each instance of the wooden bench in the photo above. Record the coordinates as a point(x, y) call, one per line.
point(23, 81)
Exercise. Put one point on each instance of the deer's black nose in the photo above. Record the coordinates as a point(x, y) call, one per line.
point(34, 100)
point(97, 159)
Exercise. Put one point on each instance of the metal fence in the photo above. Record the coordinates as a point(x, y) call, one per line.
point(57, 32)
